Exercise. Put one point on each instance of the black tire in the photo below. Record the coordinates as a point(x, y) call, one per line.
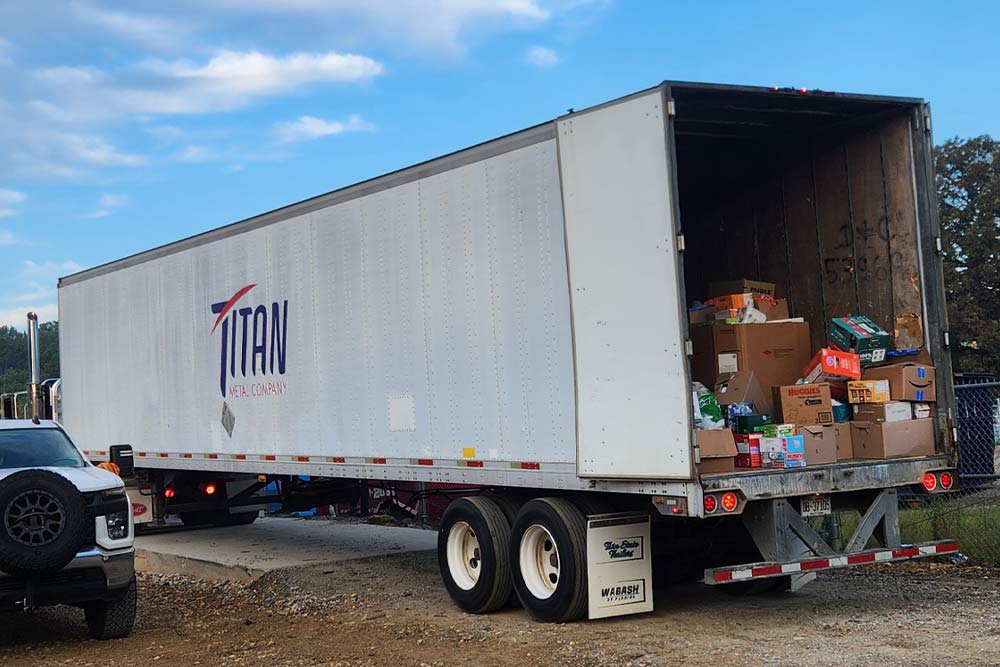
point(568, 528)
point(112, 619)
point(591, 503)
point(490, 527)
point(43, 521)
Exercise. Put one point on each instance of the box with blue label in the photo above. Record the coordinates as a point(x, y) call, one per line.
point(907, 381)
point(787, 451)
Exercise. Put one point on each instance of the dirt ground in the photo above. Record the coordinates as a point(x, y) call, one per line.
point(392, 611)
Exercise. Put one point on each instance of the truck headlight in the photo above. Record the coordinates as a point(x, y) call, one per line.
point(117, 525)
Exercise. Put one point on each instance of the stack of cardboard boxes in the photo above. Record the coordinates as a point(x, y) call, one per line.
point(787, 408)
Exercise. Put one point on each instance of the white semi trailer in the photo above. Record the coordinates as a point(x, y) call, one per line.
point(511, 319)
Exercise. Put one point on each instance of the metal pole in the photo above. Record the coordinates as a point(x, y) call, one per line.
point(34, 387)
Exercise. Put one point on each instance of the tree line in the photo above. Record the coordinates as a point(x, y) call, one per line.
point(14, 364)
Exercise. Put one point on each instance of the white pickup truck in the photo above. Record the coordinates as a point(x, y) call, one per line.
point(66, 530)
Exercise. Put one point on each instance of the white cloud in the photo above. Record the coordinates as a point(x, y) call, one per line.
point(430, 25)
point(7, 238)
point(39, 281)
point(156, 32)
point(229, 81)
point(107, 203)
point(18, 317)
point(306, 128)
point(8, 197)
point(96, 151)
point(8, 212)
point(542, 57)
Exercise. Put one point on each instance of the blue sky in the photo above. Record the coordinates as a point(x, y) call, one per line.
point(128, 125)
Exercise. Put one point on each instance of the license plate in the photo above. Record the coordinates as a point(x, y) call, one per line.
point(815, 506)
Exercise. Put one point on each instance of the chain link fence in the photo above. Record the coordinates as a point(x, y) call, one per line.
point(972, 515)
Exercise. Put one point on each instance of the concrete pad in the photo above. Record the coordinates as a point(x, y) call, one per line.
point(246, 552)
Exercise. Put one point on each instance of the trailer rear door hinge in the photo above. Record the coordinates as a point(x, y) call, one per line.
point(681, 246)
point(671, 108)
point(938, 246)
point(688, 348)
point(927, 118)
point(947, 341)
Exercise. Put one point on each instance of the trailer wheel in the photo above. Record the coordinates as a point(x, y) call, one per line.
point(473, 554)
point(549, 554)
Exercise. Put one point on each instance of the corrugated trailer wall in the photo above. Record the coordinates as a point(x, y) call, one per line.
point(833, 224)
point(428, 318)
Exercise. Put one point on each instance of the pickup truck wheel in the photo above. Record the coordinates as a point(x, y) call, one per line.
point(112, 619)
point(43, 521)
point(549, 555)
point(473, 554)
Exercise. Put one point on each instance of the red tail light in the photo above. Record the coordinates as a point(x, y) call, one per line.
point(930, 481)
point(729, 501)
point(169, 493)
point(711, 504)
point(946, 480)
point(210, 489)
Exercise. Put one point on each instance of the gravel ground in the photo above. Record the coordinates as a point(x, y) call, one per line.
point(392, 611)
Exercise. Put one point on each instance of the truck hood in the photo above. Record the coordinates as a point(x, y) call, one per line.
point(86, 479)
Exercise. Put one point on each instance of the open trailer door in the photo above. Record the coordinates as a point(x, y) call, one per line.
point(632, 386)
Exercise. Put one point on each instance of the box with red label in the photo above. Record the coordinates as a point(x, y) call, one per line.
point(747, 450)
point(783, 452)
point(832, 365)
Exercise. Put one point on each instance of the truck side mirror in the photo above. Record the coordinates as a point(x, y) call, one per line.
point(121, 456)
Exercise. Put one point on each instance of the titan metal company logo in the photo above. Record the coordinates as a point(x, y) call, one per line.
point(253, 339)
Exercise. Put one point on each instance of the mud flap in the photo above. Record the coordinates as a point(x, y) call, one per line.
point(619, 567)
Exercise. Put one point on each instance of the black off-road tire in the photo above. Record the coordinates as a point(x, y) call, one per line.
point(43, 522)
point(112, 619)
point(489, 523)
point(568, 527)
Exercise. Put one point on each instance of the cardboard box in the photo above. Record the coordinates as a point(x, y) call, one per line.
point(773, 309)
point(913, 437)
point(845, 444)
point(740, 387)
point(748, 450)
point(701, 315)
point(820, 444)
point(893, 411)
point(783, 452)
point(718, 450)
point(741, 287)
point(803, 404)
point(862, 336)
point(832, 365)
point(775, 352)
point(921, 410)
point(907, 381)
point(841, 411)
point(868, 391)
point(751, 423)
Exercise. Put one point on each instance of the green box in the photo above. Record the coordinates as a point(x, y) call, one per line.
point(751, 423)
point(779, 430)
point(862, 336)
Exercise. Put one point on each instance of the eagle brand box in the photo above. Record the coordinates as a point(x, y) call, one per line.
point(868, 391)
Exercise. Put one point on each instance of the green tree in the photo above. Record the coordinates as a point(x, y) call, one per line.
point(14, 361)
point(968, 187)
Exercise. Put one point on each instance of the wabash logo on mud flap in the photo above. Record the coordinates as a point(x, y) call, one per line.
point(624, 592)
point(252, 339)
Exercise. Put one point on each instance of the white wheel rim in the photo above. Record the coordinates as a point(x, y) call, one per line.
point(539, 561)
point(465, 560)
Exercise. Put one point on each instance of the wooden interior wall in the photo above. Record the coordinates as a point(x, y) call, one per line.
point(834, 226)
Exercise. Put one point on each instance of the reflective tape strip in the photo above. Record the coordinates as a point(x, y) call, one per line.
point(377, 460)
point(763, 570)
